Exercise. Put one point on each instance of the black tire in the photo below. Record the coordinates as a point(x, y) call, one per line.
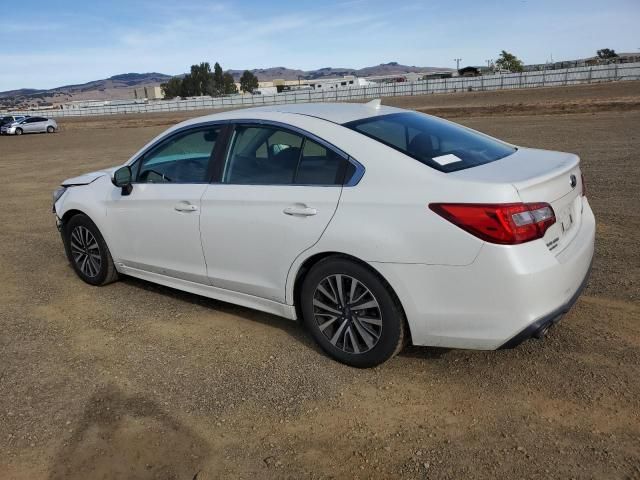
point(93, 264)
point(388, 312)
point(18, 131)
point(50, 129)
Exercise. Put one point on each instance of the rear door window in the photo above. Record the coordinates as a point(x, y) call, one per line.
point(262, 156)
point(267, 155)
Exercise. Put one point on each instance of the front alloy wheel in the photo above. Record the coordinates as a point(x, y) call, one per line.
point(85, 251)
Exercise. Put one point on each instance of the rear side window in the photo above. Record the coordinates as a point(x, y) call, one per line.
point(319, 166)
point(265, 155)
point(445, 146)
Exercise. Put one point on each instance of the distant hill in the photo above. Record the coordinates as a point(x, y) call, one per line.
point(391, 68)
point(112, 88)
point(121, 86)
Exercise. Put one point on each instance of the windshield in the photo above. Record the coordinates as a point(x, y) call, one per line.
point(443, 145)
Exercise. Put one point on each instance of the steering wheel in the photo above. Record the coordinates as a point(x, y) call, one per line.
point(145, 176)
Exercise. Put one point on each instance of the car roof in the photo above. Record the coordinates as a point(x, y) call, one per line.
point(333, 112)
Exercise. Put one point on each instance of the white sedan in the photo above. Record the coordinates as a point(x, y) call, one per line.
point(374, 225)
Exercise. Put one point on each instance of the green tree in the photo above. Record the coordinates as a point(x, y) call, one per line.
point(508, 61)
point(228, 84)
point(607, 53)
point(200, 79)
point(188, 86)
point(172, 87)
point(218, 81)
point(248, 82)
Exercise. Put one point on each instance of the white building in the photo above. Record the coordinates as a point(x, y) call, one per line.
point(348, 81)
point(148, 92)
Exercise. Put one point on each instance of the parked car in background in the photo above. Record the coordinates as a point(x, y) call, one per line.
point(375, 225)
point(30, 125)
point(8, 119)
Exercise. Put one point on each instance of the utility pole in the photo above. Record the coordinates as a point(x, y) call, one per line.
point(457, 60)
point(489, 62)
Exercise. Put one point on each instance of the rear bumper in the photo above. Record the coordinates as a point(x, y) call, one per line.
point(508, 293)
point(539, 328)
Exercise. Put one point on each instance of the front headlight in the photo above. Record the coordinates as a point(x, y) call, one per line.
point(57, 193)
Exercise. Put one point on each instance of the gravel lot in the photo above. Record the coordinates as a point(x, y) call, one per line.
point(135, 380)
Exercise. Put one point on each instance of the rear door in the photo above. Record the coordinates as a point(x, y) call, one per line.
point(276, 193)
point(29, 125)
point(36, 124)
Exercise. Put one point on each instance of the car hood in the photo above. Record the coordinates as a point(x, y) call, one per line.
point(87, 178)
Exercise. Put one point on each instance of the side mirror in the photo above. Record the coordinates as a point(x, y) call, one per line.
point(122, 179)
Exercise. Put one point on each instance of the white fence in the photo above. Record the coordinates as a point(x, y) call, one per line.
point(567, 76)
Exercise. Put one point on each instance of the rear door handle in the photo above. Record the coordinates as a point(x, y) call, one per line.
point(185, 207)
point(300, 211)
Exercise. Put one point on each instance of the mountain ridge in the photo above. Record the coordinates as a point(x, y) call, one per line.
point(121, 85)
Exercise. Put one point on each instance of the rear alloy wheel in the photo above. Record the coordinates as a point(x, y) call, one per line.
point(18, 131)
point(88, 252)
point(352, 313)
point(50, 129)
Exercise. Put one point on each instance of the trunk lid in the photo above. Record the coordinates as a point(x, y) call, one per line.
point(541, 176)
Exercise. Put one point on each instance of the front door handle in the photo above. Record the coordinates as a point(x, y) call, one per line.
point(300, 211)
point(185, 207)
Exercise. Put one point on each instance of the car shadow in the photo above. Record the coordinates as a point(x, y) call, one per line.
point(294, 328)
point(426, 353)
point(122, 436)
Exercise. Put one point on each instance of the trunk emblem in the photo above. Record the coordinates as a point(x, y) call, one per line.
point(574, 181)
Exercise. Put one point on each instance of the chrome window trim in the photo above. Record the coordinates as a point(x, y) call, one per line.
point(353, 181)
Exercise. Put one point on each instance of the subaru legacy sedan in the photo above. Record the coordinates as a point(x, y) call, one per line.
point(375, 226)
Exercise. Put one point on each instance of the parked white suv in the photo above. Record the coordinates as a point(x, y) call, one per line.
point(376, 226)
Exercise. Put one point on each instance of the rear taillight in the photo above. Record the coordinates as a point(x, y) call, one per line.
point(506, 224)
point(584, 185)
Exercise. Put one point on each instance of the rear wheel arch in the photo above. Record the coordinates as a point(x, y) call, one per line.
point(313, 260)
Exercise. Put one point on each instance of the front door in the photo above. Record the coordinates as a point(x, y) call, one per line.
point(30, 125)
point(277, 193)
point(156, 227)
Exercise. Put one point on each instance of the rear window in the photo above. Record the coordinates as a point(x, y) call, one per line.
point(445, 146)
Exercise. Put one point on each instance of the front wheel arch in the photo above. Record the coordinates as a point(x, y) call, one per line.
point(104, 272)
point(71, 213)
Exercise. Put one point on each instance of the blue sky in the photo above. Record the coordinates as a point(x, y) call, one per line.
point(51, 43)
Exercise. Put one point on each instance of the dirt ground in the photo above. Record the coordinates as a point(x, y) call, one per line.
point(135, 380)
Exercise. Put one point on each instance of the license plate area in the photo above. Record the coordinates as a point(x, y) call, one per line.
point(566, 220)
